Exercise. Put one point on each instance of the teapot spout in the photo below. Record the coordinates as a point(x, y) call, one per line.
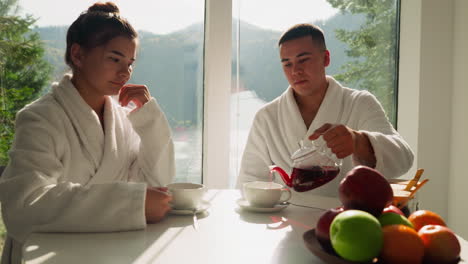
point(286, 178)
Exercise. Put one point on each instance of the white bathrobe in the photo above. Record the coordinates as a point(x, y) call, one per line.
point(68, 175)
point(278, 127)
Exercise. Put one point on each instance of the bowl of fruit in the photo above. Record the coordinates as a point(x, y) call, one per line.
point(369, 228)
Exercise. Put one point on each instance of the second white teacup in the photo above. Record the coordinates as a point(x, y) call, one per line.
point(186, 195)
point(265, 194)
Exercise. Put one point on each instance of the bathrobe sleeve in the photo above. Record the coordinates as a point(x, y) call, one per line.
point(394, 156)
point(34, 199)
point(155, 162)
point(256, 157)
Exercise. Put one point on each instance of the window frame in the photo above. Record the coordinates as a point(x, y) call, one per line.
point(217, 92)
point(409, 66)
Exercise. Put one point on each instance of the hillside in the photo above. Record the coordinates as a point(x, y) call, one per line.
point(171, 65)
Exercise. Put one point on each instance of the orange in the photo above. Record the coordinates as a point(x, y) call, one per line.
point(421, 218)
point(441, 244)
point(401, 245)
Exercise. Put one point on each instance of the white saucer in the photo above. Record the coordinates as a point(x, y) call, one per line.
point(244, 204)
point(204, 205)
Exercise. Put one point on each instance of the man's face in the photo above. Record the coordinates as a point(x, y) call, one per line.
point(304, 65)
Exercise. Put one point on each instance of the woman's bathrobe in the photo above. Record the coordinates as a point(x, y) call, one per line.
point(278, 127)
point(68, 175)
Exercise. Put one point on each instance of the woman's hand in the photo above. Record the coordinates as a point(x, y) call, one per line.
point(138, 94)
point(156, 204)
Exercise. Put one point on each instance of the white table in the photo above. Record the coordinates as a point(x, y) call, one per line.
point(225, 235)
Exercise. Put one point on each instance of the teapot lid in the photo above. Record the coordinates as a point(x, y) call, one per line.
point(303, 151)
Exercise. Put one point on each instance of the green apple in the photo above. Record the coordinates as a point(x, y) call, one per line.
point(356, 236)
point(391, 218)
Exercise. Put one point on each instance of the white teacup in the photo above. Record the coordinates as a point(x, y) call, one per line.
point(186, 195)
point(265, 194)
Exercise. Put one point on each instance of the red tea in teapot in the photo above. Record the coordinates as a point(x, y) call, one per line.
point(313, 167)
point(313, 177)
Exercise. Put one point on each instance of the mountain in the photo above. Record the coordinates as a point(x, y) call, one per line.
point(171, 65)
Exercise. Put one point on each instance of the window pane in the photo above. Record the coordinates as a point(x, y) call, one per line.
point(169, 61)
point(362, 37)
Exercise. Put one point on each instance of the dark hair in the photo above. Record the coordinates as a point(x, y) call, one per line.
point(96, 26)
point(303, 30)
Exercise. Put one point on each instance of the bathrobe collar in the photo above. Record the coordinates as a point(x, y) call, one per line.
point(290, 120)
point(101, 148)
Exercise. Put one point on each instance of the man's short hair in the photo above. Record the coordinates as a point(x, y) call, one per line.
point(303, 30)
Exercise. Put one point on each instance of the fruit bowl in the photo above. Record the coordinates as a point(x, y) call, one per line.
point(311, 242)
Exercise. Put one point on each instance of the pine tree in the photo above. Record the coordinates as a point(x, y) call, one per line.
point(374, 49)
point(23, 71)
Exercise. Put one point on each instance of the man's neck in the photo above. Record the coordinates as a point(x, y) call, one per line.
point(309, 105)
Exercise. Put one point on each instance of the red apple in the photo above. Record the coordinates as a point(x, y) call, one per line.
point(322, 230)
point(441, 245)
point(365, 189)
point(393, 209)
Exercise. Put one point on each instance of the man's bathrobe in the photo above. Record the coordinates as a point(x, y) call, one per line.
point(278, 127)
point(67, 174)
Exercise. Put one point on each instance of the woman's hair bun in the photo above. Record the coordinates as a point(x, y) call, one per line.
point(96, 26)
point(108, 7)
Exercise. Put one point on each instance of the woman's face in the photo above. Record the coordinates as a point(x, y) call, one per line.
point(106, 68)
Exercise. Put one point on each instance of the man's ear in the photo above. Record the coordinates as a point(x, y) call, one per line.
point(76, 55)
point(326, 59)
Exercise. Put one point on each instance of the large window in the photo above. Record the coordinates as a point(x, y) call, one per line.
point(361, 36)
point(169, 62)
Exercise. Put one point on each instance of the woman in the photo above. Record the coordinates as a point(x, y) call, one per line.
point(81, 161)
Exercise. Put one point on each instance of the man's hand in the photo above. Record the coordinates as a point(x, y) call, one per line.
point(340, 138)
point(138, 94)
point(344, 141)
point(156, 204)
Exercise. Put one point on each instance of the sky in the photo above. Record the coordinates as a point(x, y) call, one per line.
point(163, 16)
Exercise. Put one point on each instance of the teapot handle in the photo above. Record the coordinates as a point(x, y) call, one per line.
point(287, 180)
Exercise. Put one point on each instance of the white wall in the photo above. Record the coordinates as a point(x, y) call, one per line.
point(433, 77)
point(458, 187)
point(435, 101)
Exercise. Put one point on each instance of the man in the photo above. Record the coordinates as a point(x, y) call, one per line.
point(352, 122)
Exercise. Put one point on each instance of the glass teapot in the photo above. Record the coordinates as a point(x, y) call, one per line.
point(313, 166)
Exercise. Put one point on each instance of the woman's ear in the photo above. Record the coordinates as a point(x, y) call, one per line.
point(76, 55)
